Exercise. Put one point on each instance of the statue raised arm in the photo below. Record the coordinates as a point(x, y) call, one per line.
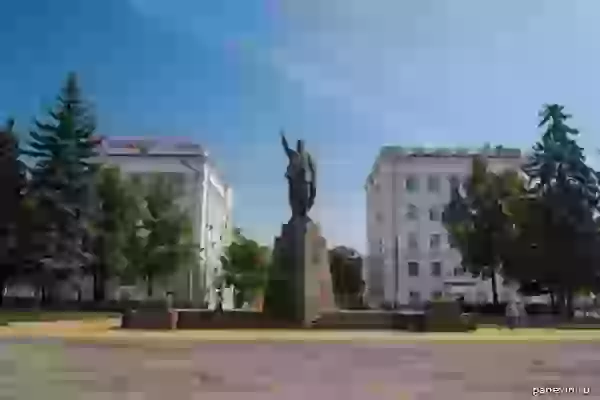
point(285, 144)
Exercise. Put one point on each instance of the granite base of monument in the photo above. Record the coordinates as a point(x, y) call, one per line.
point(299, 287)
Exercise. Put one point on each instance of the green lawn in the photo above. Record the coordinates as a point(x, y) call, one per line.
point(46, 316)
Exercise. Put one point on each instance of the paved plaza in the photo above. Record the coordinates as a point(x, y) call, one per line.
point(54, 368)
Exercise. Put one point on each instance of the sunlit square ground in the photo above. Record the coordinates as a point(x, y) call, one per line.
point(96, 363)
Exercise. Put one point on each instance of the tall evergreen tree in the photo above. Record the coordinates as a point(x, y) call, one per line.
point(12, 180)
point(568, 194)
point(62, 148)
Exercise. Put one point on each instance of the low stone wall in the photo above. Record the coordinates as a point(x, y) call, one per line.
point(439, 317)
point(149, 319)
point(228, 319)
point(372, 320)
point(447, 316)
point(543, 321)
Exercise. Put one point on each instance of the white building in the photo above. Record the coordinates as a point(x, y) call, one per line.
point(408, 255)
point(202, 192)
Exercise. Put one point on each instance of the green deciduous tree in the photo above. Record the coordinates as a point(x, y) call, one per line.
point(161, 243)
point(478, 219)
point(62, 148)
point(245, 266)
point(346, 275)
point(115, 217)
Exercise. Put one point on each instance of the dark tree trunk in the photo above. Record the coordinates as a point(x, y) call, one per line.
point(99, 284)
point(149, 288)
point(569, 304)
point(44, 293)
point(494, 288)
point(562, 300)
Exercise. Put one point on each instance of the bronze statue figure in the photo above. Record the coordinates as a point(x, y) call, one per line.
point(301, 175)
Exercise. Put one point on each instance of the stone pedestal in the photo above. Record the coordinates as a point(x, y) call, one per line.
point(299, 287)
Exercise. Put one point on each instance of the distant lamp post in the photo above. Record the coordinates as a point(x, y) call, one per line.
point(218, 285)
point(169, 300)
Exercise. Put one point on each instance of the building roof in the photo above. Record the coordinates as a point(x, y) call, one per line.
point(496, 152)
point(398, 152)
point(151, 146)
point(166, 146)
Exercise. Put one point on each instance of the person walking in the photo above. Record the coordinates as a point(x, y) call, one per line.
point(522, 313)
point(219, 303)
point(512, 314)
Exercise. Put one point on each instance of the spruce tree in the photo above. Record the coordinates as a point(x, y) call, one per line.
point(567, 192)
point(12, 179)
point(62, 147)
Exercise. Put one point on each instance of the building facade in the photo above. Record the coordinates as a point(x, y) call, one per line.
point(409, 259)
point(201, 191)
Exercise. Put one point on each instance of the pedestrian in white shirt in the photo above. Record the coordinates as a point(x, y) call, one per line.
point(512, 314)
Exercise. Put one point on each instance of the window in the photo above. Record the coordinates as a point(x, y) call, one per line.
point(381, 246)
point(413, 212)
point(435, 214)
point(459, 270)
point(433, 183)
point(413, 241)
point(436, 295)
point(436, 268)
point(414, 297)
point(412, 183)
point(413, 268)
point(454, 181)
point(435, 241)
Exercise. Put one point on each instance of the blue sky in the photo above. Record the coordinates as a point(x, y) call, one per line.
point(346, 75)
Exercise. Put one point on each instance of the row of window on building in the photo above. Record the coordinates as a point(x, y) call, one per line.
point(415, 297)
point(412, 213)
point(412, 243)
point(434, 183)
point(436, 269)
point(412, 183)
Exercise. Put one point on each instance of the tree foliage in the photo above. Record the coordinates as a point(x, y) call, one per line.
point(478, 219)
point(245, 266)
point(565, 190)
point(161, 242)
point(12, 179)
point(62, 148)
point(346, 275)
point(543, 230)
point(115, 216)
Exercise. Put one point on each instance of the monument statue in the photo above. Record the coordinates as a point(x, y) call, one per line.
point(301, 175)
point(299, 287)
